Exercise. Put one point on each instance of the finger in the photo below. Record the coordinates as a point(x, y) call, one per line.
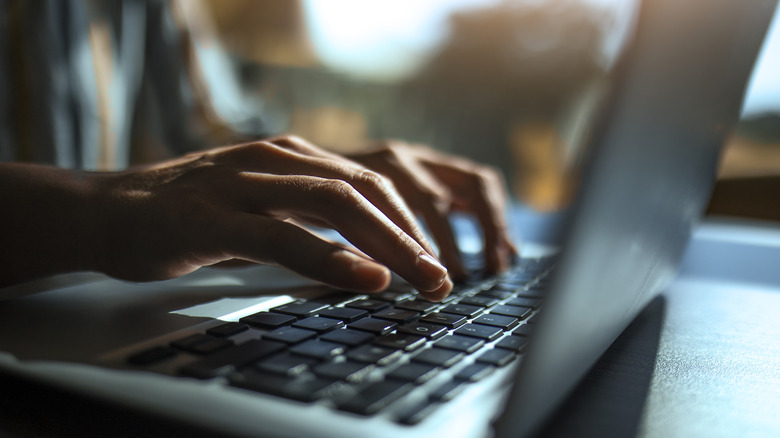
point(376, 189)
point(488, 208)
point(267, 240)
point(483, 195)
point(269, 158)
point(346, 210)
point(433, 202)
point(441, 229)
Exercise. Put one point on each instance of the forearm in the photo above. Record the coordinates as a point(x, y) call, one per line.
point(47, 225)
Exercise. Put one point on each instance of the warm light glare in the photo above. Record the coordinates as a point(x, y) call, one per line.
point(384, 40)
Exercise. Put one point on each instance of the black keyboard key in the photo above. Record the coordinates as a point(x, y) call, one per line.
point(318, 349)
point(368, 305)
point(514, 343)
point(268, 320)
point(480, 301)
point(445, 319)
point(485, 332)
point(462, 309)
point(286, 364)
point(400, 316)
point(348, 337)
point(343, 314)
point(465, 344)
point(515, 311)
point(520, 278)
point(289, 335)
point(523, 330)
point(319, 325)
point(190, 341)
point(417, 412)
point(504, 322)
point(201, 344)
point(415, 372)
point(421, 306)
point(533, 293)
point(533, 303)
point(374, 354)
point(211, 345)
point(474, 372)
point(507, 287)
point(376, 326)
point(152, 355)
point(463, 290)
point(447, 391)
point(495, 293)
point(376, 396)
point(430, 331)
point(300, 310)
point(303, 389)
point(497, 357)
point(227, 329)
point(231, 359)
point(401, 341)
point(393, 296)
point(353, 372)
point(439, 357)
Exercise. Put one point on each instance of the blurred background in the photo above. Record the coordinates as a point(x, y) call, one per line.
point(514, 84)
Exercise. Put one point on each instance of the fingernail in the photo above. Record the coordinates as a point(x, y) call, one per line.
point(432, 268)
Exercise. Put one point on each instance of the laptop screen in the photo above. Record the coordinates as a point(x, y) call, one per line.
point(676, 96)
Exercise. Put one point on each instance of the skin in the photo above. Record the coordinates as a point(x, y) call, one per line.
point(435, 184)
point(249, 202)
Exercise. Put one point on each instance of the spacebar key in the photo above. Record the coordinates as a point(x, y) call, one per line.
point(229, 360)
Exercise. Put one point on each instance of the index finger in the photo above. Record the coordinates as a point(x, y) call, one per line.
point(481, 191)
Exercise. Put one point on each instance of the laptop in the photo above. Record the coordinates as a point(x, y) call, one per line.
point(260, 352)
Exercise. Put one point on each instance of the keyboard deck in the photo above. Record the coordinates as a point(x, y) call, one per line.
point(361, 353)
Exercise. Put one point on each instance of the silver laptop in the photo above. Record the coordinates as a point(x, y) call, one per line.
point(260, 352)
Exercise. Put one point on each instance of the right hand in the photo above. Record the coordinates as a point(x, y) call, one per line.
point(244, 202)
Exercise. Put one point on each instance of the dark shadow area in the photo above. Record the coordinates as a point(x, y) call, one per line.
point(31, 409)
point(74, 324)
point(611, 398)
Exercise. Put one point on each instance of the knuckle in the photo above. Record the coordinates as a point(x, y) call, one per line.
point(372, 179)
point(485, 176)
point(294, 139)
point(250, 149)
point(338, 190)
point(289, 141)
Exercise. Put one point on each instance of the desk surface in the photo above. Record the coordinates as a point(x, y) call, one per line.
point(704, 358)
point(717, 372)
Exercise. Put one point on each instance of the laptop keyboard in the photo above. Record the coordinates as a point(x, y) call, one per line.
point(361, 353)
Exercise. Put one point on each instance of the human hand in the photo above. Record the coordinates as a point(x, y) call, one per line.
point(243, 202)
point(435, 184)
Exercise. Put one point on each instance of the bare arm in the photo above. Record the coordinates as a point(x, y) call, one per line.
point(46, 225)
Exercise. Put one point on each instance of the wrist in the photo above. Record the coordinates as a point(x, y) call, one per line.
point(50, 225)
